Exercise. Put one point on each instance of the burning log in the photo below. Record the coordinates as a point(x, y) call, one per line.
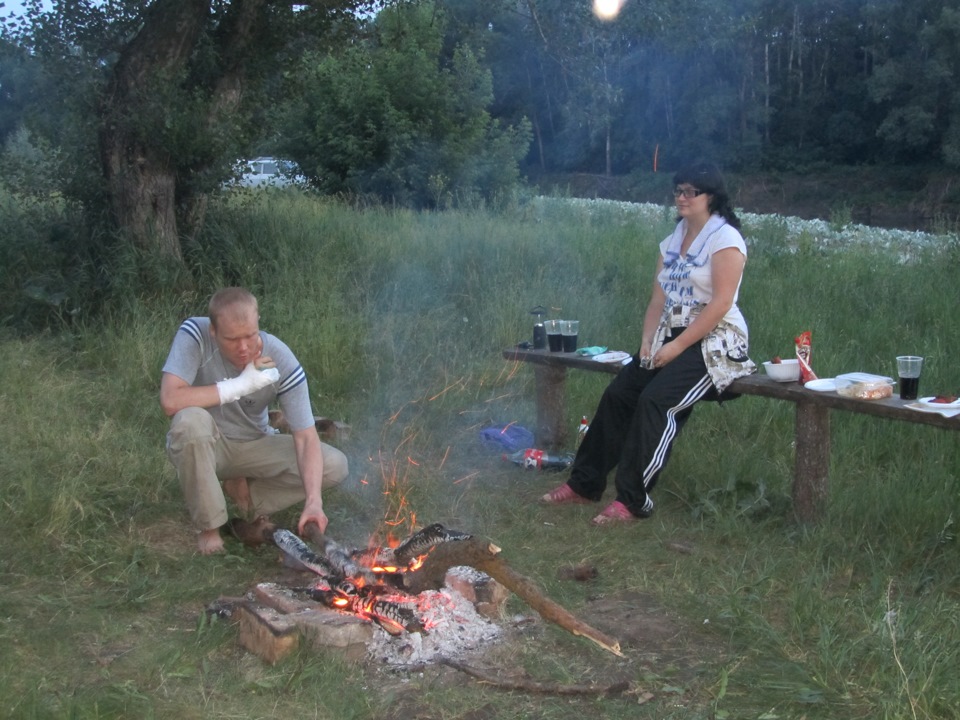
point(341, 561)
point(297, 550)
point(440, 550)
point(421, 542)
point(391, 616)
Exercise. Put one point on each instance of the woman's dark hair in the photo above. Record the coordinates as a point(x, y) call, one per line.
point(707, 178)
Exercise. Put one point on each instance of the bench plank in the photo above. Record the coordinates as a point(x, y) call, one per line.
point(812, 422)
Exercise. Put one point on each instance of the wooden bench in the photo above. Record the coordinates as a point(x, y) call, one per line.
point(812, 424)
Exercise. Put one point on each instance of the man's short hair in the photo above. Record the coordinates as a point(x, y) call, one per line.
point(237, 301)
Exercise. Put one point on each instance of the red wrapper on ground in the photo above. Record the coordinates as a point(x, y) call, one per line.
point(804, 343)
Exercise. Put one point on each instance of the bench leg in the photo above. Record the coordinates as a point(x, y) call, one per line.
point(551, 386)
point(812, 461)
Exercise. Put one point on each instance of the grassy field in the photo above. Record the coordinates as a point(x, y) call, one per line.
point(724, 607)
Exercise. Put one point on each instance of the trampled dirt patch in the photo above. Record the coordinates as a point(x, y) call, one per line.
point(663, 659)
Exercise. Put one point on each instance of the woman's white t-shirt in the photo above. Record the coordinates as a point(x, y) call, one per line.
point(687, 280)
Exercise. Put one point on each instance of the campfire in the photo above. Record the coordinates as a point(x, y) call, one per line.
point(403, 590)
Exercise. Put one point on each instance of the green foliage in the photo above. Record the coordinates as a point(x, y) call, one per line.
point(41, 266)
point(397, 119)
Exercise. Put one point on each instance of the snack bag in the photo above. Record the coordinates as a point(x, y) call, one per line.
point(804, 351)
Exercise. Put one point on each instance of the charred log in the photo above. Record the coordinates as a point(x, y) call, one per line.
point(393, 617)
point(298, 551)
point(341, 561)
point(422, 541)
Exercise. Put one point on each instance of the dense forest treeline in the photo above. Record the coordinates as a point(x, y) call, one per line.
point(776, 83)
point(132, 115)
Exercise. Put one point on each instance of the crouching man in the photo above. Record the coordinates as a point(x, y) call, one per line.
point(220, 378)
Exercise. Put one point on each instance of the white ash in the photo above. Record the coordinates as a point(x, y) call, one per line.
point(454, 628)
point(468, 573)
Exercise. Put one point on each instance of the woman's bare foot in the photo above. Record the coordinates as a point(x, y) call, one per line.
point(238, 490)
point(209, 542)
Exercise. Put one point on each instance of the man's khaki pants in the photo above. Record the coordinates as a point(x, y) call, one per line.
point(202, 455)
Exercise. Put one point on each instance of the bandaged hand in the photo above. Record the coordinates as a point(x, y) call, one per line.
point(247, 382)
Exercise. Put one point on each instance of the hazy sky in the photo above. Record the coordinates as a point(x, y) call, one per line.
point(14, 7)
point(10, 7)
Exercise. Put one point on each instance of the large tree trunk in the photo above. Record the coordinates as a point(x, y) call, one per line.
point(140, 175)
point(236, 35)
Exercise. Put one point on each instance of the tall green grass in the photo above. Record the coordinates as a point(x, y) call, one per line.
point(399, 319)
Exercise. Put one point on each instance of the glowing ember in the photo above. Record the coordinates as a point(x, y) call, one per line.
point(607, 9)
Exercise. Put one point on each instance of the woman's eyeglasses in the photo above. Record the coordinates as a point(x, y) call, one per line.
point(689, 193)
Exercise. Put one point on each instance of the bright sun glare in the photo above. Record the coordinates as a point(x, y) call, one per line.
point(607, 9)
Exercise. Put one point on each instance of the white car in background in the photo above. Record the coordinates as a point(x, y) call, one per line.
point(268, 172)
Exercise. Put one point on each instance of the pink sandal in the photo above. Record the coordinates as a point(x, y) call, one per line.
point(563, 495)
point(615, 512)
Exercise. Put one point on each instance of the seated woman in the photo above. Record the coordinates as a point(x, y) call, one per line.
point(694, 345)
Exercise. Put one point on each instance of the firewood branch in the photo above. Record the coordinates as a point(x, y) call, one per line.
point(534, 686)
point(486, 558)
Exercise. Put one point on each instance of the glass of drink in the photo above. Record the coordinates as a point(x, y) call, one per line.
point(554, 339)
point(908, 369)
point(569, 330)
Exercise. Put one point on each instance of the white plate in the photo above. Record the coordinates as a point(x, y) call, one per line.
point(945, 411)
point(928, 402)
point(617, 356)
point(822, 385)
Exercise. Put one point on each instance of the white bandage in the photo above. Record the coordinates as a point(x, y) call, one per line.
point(247, 382)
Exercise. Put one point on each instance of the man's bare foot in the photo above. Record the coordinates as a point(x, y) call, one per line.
point(209, 542)
point(238, 490)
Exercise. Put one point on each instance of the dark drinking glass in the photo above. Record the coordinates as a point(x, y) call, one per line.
point(554, 341)
point(909, 368)
point(570, 329)
point(909, 388)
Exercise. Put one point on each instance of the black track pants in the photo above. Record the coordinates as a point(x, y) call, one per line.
point(639, 416)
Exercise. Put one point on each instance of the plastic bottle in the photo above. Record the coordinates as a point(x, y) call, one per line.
point(582, 430)
point(533, 459)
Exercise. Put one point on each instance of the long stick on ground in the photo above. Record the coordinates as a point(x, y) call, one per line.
point(533, 686)
point(485, 557)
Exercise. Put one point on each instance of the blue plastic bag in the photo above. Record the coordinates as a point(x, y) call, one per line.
point(510, 437)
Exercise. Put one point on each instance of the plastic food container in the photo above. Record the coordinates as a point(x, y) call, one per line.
point(864, 386)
